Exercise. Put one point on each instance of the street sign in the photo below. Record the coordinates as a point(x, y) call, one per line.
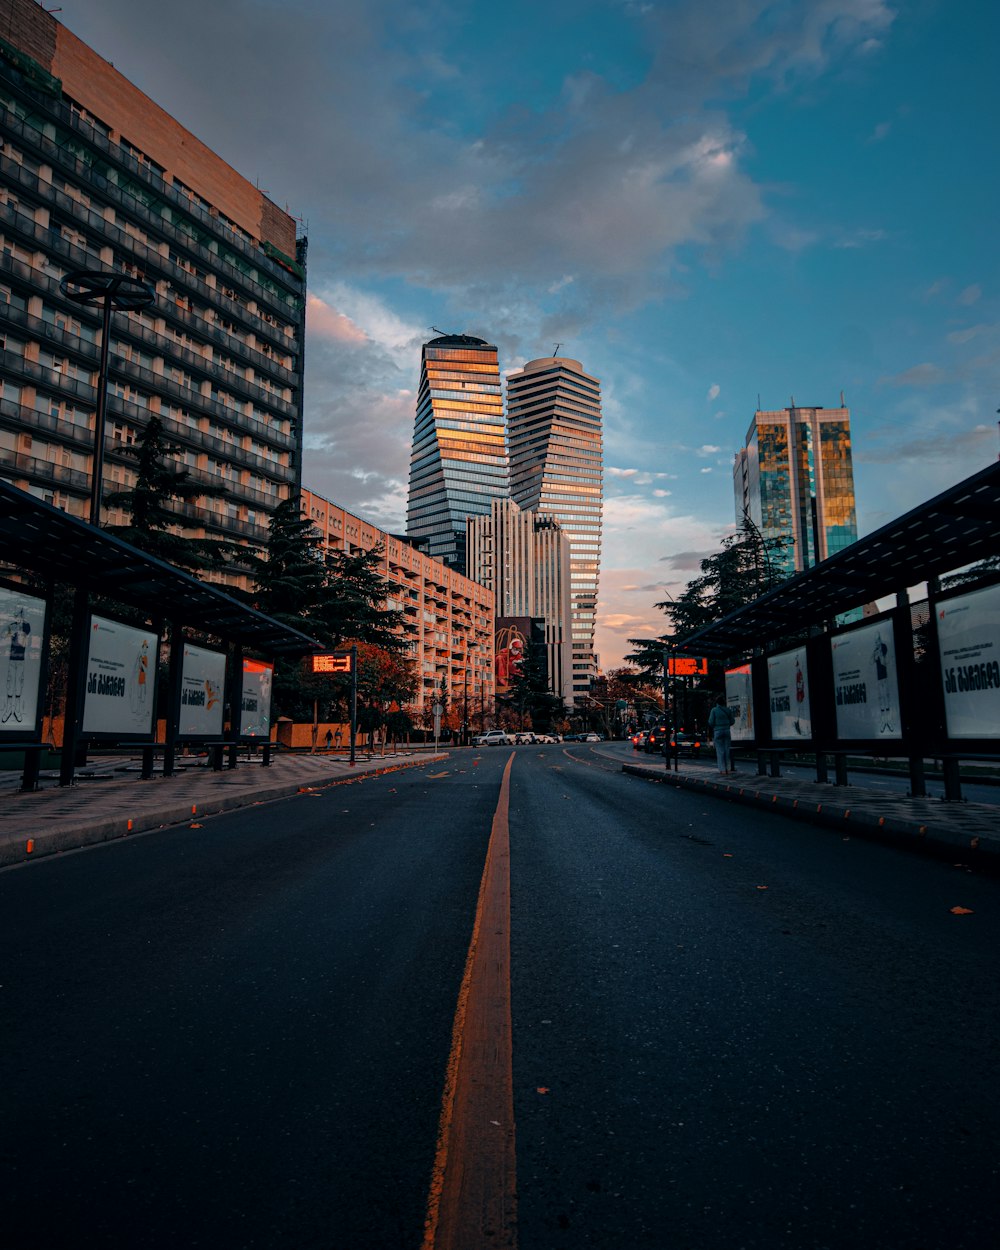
point(334, 662)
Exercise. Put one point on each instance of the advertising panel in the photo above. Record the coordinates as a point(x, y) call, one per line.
point(788, 691)
point(739, 697)
point(969, 638)
point(255, 708)
point(865, 685)
point(203, 684)
point(121, 672)
point(22, 634)
point(512, 637)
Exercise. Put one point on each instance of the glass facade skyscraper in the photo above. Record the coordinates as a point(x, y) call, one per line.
point(458, 464)
point(795, 478)
point(556, 467)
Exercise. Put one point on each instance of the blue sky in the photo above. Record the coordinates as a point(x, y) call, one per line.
point(704, 201)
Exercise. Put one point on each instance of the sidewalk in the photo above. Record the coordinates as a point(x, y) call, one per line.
point(110, 801)
point(969, 830)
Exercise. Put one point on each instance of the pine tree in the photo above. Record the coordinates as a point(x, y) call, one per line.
point(151, 525)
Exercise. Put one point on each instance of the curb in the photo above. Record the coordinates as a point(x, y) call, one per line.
point(902, 832)
point(41, 844)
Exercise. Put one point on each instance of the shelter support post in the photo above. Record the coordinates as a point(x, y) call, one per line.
point(74, 686)
point(822, 770)
point(952, 779)
point(174, 700)
point(235, 705)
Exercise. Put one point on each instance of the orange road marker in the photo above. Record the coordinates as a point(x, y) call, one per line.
point(473, 1197)
point(29, 846)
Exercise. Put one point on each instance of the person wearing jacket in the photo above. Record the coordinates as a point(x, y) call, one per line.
point(720, 724)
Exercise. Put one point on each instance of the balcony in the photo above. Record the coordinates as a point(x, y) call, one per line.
point(44, 191)
point(15, 464)
point(46, 147)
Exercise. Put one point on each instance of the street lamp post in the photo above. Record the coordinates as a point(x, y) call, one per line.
point(114, 292)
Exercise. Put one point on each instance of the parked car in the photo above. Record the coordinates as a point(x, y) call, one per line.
point(525, 737)
point(655, 739)
point(685, 744)
point(589, 738)
point(492, 738)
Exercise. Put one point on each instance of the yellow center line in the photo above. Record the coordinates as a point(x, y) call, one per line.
point(473, 1197)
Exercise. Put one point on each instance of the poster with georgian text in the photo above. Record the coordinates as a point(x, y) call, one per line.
point(969, 640)
point(788, 694)
point(739, 697)
point(865, 685)
point(121, 679)
point(255, 707)
point(22, 635)
point(203, 683)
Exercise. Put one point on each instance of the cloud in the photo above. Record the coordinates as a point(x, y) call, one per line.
point(713, 392)
point(880, 132)
point(611, 471)
point(708, 449)
point(661, 494)
point(326, 322)
point(859, 238)
point(920, 375)
point(970, 295)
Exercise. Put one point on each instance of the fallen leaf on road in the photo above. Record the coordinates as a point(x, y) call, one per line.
point(194, 826)
point(961, 911)
point(727, 855)
point(762, 887)
point(542, 1089)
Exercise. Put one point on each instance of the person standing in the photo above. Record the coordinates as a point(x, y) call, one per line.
point(720, 725)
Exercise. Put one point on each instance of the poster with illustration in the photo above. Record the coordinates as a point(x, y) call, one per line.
point(203, 683)
point(969, 639)
point(788, 692)
point(255, 706)
point(865, 686)
point(739, 697)
point(22, 635)
point(121, 679)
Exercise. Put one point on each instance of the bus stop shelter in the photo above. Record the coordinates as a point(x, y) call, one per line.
point(56, 548)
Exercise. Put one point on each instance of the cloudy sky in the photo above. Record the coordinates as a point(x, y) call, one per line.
point(704, 201)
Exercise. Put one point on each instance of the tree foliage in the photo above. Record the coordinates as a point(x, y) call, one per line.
point(152, 525)
point(338, 599)
point(746, 567)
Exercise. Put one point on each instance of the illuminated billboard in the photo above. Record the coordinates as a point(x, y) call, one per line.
point(121, 679)
point(739, 698)
point(22, 634)
point(865, 685)
point(788, 695)
point(255, 704)
point(203, 683)
point(969, 640)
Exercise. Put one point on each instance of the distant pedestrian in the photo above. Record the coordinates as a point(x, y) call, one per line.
point(329, 739)
point(720, 724)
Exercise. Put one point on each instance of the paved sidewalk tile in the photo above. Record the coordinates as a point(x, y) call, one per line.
point(110, 800)
point(970, 828)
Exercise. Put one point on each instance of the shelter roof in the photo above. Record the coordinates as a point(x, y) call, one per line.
point(958, 527)
point(58, 547)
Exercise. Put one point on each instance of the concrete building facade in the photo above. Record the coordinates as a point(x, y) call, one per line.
point(555, 445)
point(524, 558)
point(795, 480)
point(458, 463)
point(95, 176)
point(448, 617)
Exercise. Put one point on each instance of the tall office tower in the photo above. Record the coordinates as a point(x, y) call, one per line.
point(555, 448)
point(458, 464)
point(94, 175)
point(524, 558)
point(795, 478)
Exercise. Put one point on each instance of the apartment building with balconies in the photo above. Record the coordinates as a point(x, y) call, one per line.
point(94, 175)
point(448, 618)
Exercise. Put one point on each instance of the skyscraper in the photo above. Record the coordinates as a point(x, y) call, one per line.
point(94, 175)
point(556, 468)
point(795, 478)
point(524, 558)
point(458, 464)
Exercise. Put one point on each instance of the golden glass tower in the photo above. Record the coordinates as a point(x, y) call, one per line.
point(458, 464)
point(556, 467)
point(795, 478)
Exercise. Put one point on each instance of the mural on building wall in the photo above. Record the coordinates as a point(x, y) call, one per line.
point(512, 635)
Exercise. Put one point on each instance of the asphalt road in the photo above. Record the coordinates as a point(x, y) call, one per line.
point(729, 1030)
